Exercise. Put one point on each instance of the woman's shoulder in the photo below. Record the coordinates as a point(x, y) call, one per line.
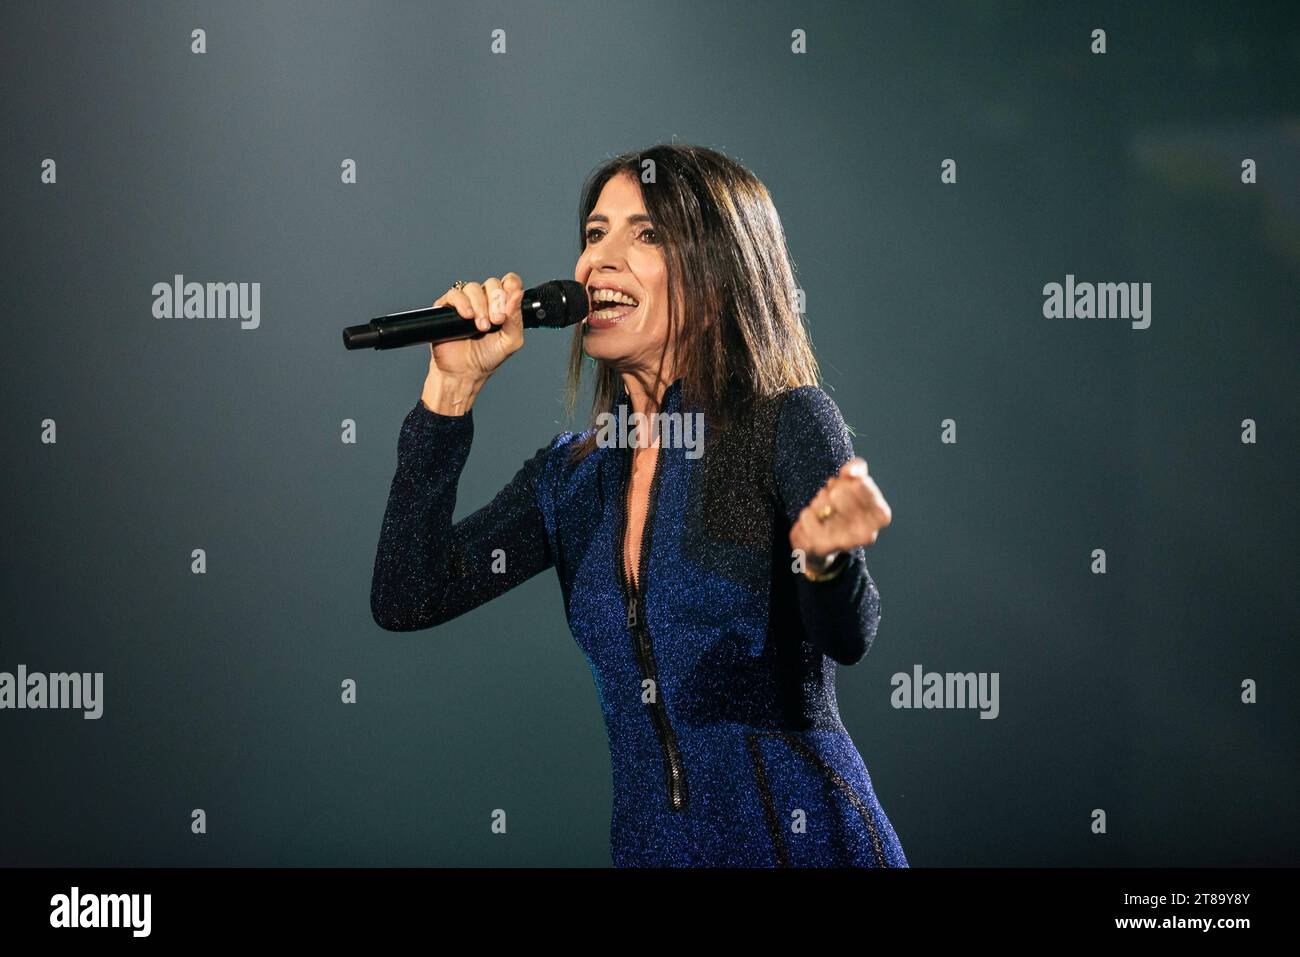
point(553, 469)
point(810, 422)
point(808, 406)
point(773, 421)
point(560, 465)
point(564, 440)
point(812, 441)
point(558, 450)
point(759, 459)
point(795, 415)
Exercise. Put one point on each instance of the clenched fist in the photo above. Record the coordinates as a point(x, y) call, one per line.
point(459, 367)
point(848, 511)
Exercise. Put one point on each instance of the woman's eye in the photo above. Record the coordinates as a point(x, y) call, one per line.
point(595, 233)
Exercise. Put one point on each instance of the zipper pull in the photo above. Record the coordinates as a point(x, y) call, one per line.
point(631, 613)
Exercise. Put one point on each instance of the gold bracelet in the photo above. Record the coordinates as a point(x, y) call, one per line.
point(834, 568)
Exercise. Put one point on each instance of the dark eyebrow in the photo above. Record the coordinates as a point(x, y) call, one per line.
point(634, 218)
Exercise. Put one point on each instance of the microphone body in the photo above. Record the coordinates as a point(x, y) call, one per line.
point(552, 305)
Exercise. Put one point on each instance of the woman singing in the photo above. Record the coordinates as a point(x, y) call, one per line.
point(713, 588)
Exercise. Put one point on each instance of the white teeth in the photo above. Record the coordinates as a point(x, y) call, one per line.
point(607, 313)
point(612, 295)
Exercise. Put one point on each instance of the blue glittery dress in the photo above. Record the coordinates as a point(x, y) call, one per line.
point(717, 677)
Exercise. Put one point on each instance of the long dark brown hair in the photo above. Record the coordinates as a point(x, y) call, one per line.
point(733, 319)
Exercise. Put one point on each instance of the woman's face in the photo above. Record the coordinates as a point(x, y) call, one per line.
point(624, 252)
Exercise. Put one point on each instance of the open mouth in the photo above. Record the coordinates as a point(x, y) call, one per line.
point(609, 306)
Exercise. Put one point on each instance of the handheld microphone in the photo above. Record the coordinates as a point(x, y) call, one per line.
point(552, 305)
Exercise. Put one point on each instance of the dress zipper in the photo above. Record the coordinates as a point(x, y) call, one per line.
point(634, 598)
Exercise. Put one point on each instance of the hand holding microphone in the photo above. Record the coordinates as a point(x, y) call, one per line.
point(494, 305)
point(471, 329)
point(459, 367)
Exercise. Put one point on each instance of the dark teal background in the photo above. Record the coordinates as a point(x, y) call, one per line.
point(1119, 692)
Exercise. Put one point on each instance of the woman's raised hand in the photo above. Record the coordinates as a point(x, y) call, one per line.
point(849, 510)
point(459, 367)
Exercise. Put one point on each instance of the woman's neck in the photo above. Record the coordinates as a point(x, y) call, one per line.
point(645, 393)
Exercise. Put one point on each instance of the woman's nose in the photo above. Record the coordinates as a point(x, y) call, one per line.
point(608, 253)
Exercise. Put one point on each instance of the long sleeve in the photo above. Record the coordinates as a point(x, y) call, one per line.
point(839, 615)
point(427, 570)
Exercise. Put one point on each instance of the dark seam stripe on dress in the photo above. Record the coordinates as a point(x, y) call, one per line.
point(769, 809)
point(816, 760)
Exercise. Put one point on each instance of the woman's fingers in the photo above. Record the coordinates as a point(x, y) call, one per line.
point(513, 327)
point(854, 466)
point(457, 299)
point(858, 511)
point(477, 297)
point(496, 297)
point(495, 302)
point(493, 305)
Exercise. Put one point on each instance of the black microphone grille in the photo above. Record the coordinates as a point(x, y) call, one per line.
point(560, 303)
